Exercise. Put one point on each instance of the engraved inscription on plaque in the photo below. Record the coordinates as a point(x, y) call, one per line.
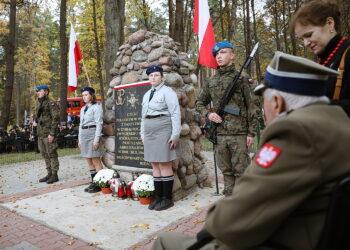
point(128, 143)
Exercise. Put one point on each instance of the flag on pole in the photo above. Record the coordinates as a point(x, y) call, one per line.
point(74, 57)
point(203, 27)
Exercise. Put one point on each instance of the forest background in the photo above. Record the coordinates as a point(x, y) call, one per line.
point(34, 40)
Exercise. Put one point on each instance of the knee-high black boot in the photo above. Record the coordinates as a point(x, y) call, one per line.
point(166, 201)
point(158, 192)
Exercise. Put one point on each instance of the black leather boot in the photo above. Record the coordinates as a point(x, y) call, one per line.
point(53, 178)
point(89, 187)
point(44, 179)
point(158, 192)
point(166, 201)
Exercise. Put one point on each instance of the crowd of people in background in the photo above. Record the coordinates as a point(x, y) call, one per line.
point(23, 138)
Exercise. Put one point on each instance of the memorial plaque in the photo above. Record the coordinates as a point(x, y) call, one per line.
point(128, 109)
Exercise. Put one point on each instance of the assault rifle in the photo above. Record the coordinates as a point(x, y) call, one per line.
point(211, 127)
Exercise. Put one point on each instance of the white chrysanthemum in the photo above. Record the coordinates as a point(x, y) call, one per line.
point(104, 175)
point(144, 183)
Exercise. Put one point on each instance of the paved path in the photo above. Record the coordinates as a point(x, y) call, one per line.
point(62, 216)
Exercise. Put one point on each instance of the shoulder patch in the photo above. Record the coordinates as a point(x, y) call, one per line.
point(267, 155)
point(250, 80)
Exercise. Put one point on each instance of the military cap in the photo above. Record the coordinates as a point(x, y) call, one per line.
point(42, 86)
point(89, 89)
point(221, 45)
point(295, 75)
point(154, 69)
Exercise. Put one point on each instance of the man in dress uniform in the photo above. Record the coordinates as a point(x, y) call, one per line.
point(236, 133)
point(283, 195)
point(47, 120)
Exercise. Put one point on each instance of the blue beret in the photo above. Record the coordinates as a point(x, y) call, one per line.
point(42, 86)
point(221, 45)
point(295, 75)
point(154, 69)
point(87, 88)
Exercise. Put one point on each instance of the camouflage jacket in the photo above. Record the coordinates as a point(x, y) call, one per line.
point(213, 90)
point(48, 117)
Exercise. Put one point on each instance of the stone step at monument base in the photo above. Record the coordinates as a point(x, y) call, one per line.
point(127, 172)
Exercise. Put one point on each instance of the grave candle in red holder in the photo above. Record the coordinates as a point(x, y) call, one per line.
point(121, 192)
point(128, 191)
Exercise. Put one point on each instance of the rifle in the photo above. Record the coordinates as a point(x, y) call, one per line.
point(211, 127)
point(38, 114)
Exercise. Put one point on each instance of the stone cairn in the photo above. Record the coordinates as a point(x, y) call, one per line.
point(143, 50)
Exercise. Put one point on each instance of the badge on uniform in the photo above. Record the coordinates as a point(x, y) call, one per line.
point(267, 155)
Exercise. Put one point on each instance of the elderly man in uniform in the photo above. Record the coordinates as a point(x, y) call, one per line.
point(235, 134)
point(47, 120)
point(283, 195)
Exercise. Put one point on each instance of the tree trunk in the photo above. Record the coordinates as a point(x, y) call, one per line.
point(10, 66)
point(285, 25)
point(222, 17)
point(292, 36)
point(145, 11)
point(179, 25)
point(171, 18)
point(98, 55)
point(63, 63)
point(278, 45)
point(257, 57)
point(188, 33)
point(232, 22)
point(248, 36)
point(114, 21)
point(18, 99)
point(244, 25)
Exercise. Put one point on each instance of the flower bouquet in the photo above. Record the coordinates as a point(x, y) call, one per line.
point(103, 177)
point(144, 186)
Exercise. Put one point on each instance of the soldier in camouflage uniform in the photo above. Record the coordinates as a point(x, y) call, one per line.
point(236, 133)
point(47, 121)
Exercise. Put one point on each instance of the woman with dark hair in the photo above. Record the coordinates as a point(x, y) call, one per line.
point(90, 134)
point(160, 131)
point(318, 25)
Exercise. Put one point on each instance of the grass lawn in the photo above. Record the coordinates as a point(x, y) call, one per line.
point(32, 156)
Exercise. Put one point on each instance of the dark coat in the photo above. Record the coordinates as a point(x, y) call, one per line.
point(344, 99)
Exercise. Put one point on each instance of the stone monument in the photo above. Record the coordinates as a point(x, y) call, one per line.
point(142, 50)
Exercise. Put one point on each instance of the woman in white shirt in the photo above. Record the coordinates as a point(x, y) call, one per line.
point(90, 129)
point(160, 132)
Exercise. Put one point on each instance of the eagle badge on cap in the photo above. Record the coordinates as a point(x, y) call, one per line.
point(267, 155)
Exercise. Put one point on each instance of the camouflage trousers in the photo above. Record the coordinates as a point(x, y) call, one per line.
point(49, 153)
point(232, 159)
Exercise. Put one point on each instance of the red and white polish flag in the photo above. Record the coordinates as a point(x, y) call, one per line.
point(74, 57)
point(203, 27)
